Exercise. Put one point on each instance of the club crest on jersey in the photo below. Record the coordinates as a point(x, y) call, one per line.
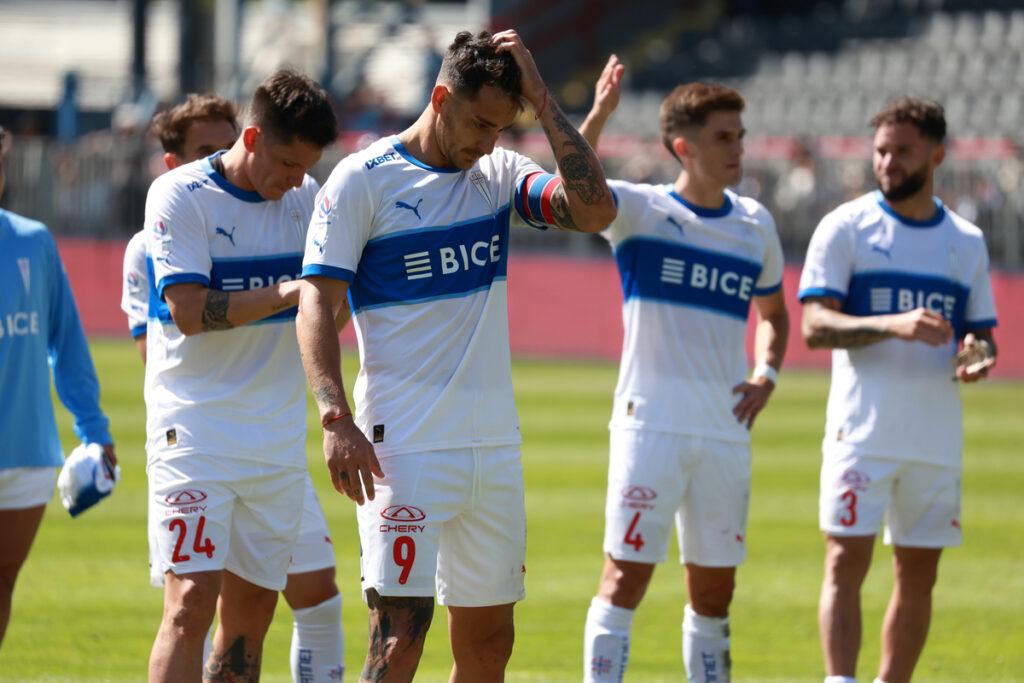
point(26, 274)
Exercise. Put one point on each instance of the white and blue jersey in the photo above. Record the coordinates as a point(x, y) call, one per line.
point(896, 398)
point(39, 330)
point(135, 284)
point(688, 277)
point(237, 392)
point(425, 252)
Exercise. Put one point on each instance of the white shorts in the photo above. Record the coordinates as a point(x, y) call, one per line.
point(212, 513)
point(313, 549)
point(704, 484)
point(26, 487)
point(454, 520)
point(920, 503)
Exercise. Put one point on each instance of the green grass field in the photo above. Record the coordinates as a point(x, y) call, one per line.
point(84, 610)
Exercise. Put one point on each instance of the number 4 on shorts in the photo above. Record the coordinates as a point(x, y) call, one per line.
point(633, 537)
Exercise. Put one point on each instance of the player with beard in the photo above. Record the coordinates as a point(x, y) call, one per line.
point(893, 283)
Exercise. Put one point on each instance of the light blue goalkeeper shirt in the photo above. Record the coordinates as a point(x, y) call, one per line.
point(40, 330)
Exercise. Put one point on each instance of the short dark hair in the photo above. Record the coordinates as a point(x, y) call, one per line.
point(472, 62)
point(929, 117)
point(171, 125)
point(689, 105)
point(289, 105)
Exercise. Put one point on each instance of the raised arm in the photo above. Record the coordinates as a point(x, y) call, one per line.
point(824, 326)
point(196, 308)
point(607, 93)
point(583, 201)
point(348, 454)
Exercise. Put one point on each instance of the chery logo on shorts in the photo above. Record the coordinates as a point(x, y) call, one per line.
point(640, 493)
point(853, 479)
point(403, 513)
point(185, 497)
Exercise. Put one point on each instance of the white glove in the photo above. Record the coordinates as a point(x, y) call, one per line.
point(86, 478)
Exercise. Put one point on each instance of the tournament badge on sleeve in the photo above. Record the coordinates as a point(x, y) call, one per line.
point(87, 477)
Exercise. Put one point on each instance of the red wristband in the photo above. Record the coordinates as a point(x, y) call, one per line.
point(543, 106)
point(329, 420)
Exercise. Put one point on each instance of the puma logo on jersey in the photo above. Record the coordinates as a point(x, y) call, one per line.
point(676, 223)
point(414, 209)
point(229, 235)
point(887, 253)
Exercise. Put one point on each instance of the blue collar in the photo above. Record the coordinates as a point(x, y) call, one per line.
point(702, 211)
point(400, 148)
point(940, 213)
point(222, 182)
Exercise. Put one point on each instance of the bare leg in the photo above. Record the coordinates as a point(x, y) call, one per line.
point(244, 613)
point(905, 627)
point(847, 560)
point(398, 629)
point(481, 640)
point(189, 604)
point(623, 584)
point(18, 530)
point(710, 589)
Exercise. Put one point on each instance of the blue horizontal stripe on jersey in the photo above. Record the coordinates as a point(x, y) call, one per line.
point(682, 275)
point(821, 291)
point(881, 292)
point(257, 272)
point(432, 264)
point(138, 330)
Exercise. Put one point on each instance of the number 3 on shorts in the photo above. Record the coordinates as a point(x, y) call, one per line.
point(851, 502)
point(199, 544)
point(633, 537)
point(404, 553)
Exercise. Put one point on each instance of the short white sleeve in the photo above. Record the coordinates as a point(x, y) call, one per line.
point(829, 262)
point(177, 232)
point(135, 284)
point(340, 225)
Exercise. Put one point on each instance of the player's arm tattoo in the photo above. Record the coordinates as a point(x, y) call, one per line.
point(397, 624)
point(560, 209)
point(215, 312)
point(578, 166)
point(233, 665)
point(327, 394)
point(823, 328)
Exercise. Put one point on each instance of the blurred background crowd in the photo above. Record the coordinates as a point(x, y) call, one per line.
point(83, 78)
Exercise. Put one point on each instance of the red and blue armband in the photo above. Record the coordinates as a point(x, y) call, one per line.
point(533, 199)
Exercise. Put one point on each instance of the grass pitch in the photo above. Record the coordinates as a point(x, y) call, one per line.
point(84, 610)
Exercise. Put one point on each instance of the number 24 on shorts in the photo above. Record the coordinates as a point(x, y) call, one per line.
point(199, 544)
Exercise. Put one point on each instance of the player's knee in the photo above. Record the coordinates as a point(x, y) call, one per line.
point(712, 601)
point(625, 583)
point(846, 564)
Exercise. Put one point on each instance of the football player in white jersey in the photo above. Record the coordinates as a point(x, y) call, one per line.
point(893, 283)
point(693, 257)
point(197, 128)
point(224, 385)
point(414, 230)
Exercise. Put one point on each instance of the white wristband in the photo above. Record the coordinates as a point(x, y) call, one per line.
point(766, 371)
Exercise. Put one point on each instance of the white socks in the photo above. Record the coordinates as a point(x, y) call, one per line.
point(841, 679)
point(606, 642)
point(706, 647)
point(318, 644)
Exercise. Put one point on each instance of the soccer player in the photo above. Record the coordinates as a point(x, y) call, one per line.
point(225, 395)
point(892, 283)
point(415, 230)
point(693, 257)
point(195, 129)
point(39, 330)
